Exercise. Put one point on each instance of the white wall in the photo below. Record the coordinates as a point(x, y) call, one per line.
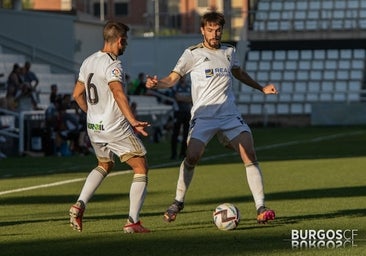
point(39, 32)
point(155, 56)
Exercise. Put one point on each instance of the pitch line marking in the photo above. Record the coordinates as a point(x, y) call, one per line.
point(59, 183)
point(54, 184)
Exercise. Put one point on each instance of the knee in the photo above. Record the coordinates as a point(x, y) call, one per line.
point(191, 159)
point(107, 166)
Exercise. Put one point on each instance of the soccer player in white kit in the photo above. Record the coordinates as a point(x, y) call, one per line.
point(212, 66)
point(111, 125)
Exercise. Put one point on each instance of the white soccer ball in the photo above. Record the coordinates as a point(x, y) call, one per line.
point(226, 216)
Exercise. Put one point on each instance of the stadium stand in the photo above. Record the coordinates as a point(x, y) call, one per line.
point(278, 15)
point(313, 50)
point(14, 125)
point(18, 129)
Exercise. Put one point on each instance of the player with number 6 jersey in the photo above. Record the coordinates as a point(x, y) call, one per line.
point(105, 120)
point(111, 125)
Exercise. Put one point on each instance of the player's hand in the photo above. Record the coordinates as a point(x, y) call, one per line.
point(151, 82)
point(139, 127)
point(270, 89)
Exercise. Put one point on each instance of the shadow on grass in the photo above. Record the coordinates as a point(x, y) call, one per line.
point(319, 193)
point(354, 213)
point(356, 191)
point(238, 242)
point(89, 218)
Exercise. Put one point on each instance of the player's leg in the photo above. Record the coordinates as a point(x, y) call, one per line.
point(92, 182)
point(174, 138)
point(243, 144)
point(137, 194)
point(201, 132)
point(185, 130)
point(195, 149)
point(131, 151)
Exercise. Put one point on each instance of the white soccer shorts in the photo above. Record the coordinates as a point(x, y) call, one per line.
point(227, 128)
point(125, 149)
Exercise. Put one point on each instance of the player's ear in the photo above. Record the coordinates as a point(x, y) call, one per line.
point(122, 40)
point(202, 32)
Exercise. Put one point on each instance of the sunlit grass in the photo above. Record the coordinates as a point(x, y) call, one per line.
point(310, 185)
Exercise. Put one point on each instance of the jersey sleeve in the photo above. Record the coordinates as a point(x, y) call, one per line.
point(184, 64)
point(115, 72)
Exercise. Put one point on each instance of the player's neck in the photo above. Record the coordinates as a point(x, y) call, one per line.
point(109, 50)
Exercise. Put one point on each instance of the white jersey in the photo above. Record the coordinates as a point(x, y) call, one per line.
point(105, 121)
point(211, 80)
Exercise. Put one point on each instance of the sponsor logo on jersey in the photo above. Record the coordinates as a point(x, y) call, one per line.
point(96, 127)
point(216, 72)
point(209, 73)
point(116, 72)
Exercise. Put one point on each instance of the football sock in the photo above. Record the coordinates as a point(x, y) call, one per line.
point(137, 196)
point(255, 181)
point(185, 177)
point(91, 184)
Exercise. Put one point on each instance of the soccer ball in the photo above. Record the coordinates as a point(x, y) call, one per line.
point(226, 216)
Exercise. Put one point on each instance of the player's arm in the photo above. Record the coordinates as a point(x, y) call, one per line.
point(79, 96)
point(152, 82)
point(123, 104)
point(244, 77)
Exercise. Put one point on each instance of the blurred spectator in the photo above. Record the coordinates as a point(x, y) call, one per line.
point(63, 128)
point(54, 93)
point(168, 126)
point(138, 85)
point(66, 101)
point(19, 94)
point(128, 86)
point(182, 115)
point(29, 76)
point(52, 144)
point(82, 144)
point(68, 130)
point(14, 83)
point(24, 98)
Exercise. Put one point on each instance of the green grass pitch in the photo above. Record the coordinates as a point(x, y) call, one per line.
point(314, 180)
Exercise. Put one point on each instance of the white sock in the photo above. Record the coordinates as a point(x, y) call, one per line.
point(92, 182)
point(185, 177)
point(255, 181)
point(137, 196)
